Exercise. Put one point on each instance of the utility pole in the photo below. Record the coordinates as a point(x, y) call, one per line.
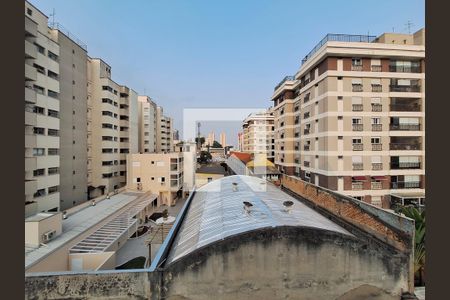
point(408, 26)
point(199, 143)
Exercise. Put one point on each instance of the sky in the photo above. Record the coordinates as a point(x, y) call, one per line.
point(218, 54)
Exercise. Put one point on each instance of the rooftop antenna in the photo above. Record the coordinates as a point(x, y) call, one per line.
point(199, 143)
point(408, 26)
point(53, 17)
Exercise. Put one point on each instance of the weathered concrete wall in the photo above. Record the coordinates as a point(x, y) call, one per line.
point(102, 285)
point(287, 263)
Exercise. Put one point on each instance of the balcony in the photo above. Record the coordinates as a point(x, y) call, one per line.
point(405, 88)
point(358, 166)
point(377, 127)
point(405, 185)
point(405, 107)
point(357, 68)
point(30, 73)
point(377, 88)
point(405, 165)
point(404, 146)
point(357, 107)
point(357, 88)
point(377, 166)
point(357, 185)
point(357, 127)
point(405, 69)
point(30, 95)
point(358, 147)
point(376, 185)
point(377, 147)
point(375, 68)
point(377, 107)
point(405, 127)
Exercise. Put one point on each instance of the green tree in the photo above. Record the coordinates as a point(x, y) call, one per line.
point(204, 156)
point(202, 140)
point(216, 144)
point(419, 249)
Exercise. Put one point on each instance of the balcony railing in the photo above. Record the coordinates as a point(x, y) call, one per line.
point(377, 88)
point(377, 127)
point(375, 68)
point(357, 107)
point(358, 166)
point(405, 185)
point(358, 147)
point(357, 127)
point(357, 88)
point(406, 127)
point(376, 185)
point(377, 107)
point(405, 165)
point(377, 147)
point(357, 67)
point(405, 69)
point(405, 88)
point(404, 107)
point(377, 166)
point(357, 185)
point(404, 146)
point(287, 78)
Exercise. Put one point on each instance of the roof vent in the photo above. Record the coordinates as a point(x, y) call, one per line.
point(247, 206)
point(288, 205)
point(235, 186)
point(64, 216)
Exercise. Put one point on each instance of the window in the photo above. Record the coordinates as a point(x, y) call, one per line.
point(39, 68)
point(52, 94)
point(53, 113)
point(38, 130)
point(375, 140)
point(39, 172)
point(209, 179)
point(356, 121)
point(52, 55)
point(106, 100)
point(38, 151)
point(107, 113)
point(39, 193)
point(52, 75)
point(38, 110)
point(376, 120)
point(107, 150)
point(29, 12)
point(376, 100)
point(53, 132)
point(52, 171)
point(357, 140)
point(107, 125)
point(53, 151)
point(39, 89)
point(356, 62)
point(107, 138)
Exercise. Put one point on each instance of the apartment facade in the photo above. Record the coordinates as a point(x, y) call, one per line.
point(164, 138)
point(147, 124)
point(223, 139)
point(42, 110)
point(160, 173)
point(72, 118)
point(361, 117)
point(258, 134)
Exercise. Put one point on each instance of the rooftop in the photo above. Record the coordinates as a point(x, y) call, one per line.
point(211, 169)
point(78, 223)
point(39, 217)
point(216, 212)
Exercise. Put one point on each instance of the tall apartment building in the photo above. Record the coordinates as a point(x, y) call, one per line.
point(210, 139)
point(358, 107)
point(258, 134)
point(147, 124)
point(129, 129)
point(72, 117)
point(103, 129)
point(42, 110)
point(223, 139)
point(164, 139)
point(241, 141)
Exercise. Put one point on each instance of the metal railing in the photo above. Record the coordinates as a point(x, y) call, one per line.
point(377, 166)
point(377, 88)
point(404, 146)
point(290, 78)
point(58, 26)
point(377, 127)
point(375, 68)
point(406, 127)
point(404, 107)
point(333, 37)
point(357, 127)
point(358, 185)
point(356, 67)
point(376, 185)
point(405, 185)
point(357, 88)
point(377, 107)
point(405, 88)
point(405, 165)
point(405, 69)
point(358, 166)
point(357, 107)
point(377, 147)
point(358, 147)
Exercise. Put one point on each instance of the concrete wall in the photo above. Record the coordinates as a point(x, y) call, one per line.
point(286, 263)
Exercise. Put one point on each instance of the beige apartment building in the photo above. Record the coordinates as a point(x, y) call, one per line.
point(72, 117)
point(357, 105)
point(223, 139)
point(258, 134)
point(147, 125)
point(164, 138)
point(42, 111)
point(158, 173)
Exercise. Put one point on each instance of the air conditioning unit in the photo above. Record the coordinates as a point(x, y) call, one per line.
point(48, 236)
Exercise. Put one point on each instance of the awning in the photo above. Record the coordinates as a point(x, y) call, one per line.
point(359, 178)
point(379, 177)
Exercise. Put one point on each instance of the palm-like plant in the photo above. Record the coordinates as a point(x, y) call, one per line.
point(419, 250)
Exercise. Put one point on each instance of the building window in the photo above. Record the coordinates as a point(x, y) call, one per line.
point(52, 132)
point(39, 193)
point(52, 171)
point(52, 94)
point(38, 151)
point(38, 110)
point(375, 140)
point(53, 113)
point(40, 49)
point(39, 172)
point(29, 12)
point(39, 130)
point(53, 151)
point(52, 56)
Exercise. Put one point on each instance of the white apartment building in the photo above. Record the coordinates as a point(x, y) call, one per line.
point(147, 124)
point(42, 110)
point(358, 111)
point(164, 138)
point(258, 134)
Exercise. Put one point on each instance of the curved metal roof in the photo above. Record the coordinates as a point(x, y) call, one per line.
point(217, 212)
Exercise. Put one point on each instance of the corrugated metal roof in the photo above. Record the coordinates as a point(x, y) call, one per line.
point(217, 212)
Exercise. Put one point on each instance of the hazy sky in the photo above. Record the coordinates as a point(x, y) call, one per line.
point(203, 54)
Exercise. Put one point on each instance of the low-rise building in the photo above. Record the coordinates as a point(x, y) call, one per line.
point(208, 173)
point(160, 173)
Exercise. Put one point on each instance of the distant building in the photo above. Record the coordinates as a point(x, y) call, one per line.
point(208, 173)
point(223, 139)
point(258, 134)
point(147, 125)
